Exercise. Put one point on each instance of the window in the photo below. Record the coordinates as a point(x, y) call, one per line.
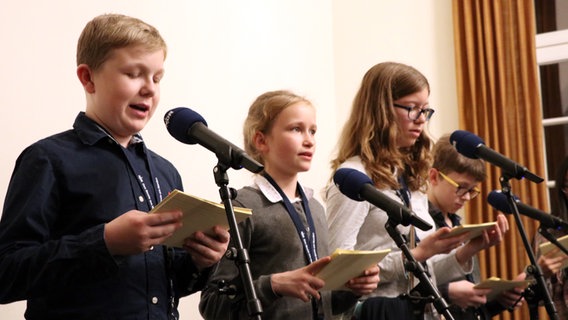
point(552, 58)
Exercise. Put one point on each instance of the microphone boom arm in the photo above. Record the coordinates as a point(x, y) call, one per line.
point(544, 232)
point(226, 152)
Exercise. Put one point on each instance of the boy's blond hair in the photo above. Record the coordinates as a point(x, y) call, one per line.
point(114, 31)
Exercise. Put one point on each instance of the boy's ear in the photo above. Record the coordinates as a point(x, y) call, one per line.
point(433, 176)
point(85, 76)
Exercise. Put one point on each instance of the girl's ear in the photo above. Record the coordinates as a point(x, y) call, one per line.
point(85, 74)
point(259, 140)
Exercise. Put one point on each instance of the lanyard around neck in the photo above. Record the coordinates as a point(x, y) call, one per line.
point(137, 170)
point(404, 193)
point(308, 238)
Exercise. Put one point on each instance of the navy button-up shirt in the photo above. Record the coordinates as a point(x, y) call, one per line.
point(63, 190)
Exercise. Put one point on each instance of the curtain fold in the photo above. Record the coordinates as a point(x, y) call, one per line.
point(498, 100)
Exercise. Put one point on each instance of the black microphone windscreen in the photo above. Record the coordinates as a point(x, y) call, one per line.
point(466, 143)
point(499, 201)
point(178, 122)
point(350, 181)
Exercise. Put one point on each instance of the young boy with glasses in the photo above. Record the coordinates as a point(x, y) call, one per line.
point(453, 181)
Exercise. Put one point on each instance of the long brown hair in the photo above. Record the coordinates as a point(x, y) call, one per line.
point(371, 130)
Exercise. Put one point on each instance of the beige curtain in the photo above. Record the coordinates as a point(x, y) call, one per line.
point(498, 100)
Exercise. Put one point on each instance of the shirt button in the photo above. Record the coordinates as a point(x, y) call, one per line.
point(141, 198)
point(154, 300)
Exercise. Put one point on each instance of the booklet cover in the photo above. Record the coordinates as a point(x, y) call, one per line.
point(475, 230)
point(498, 285)
point(198, 215)
point(346, 265)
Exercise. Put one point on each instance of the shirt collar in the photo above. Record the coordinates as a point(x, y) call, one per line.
point(438, 216)
point(91, 132)
point(271, 193)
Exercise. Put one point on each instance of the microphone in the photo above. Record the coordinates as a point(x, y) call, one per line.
point(189, 127)
point(499, 201)
point(358, 186)
point(472, 146)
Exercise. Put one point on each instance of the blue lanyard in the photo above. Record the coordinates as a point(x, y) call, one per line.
point(403, 193)
point(137, 170)
point(134, 165)
point(308, 238)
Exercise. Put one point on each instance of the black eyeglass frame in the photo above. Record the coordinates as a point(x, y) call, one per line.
point(428, 112)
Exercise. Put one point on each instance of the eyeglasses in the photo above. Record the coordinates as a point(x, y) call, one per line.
point(461, 191)
point(415, 112)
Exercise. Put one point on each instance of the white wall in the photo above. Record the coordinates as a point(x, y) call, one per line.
point(222, 54)
point(414, 32)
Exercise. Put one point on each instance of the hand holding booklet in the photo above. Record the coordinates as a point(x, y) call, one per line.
point(346, 265)
point(546, 247)
point(198, 215)
point(475, 230)
point(498, 285)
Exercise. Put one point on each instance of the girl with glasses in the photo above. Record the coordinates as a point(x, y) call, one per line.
point(385, 138)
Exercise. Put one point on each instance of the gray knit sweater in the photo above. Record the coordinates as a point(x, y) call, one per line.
point(274, 246)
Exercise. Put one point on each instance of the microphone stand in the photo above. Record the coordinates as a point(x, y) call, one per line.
point(237, 253)
point(538, 291)
point(418, 270)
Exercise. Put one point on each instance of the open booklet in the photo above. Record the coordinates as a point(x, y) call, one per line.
point(346, 265)
point(498, 285)
point(546, 247)
point(475, 230)
point(198, 215)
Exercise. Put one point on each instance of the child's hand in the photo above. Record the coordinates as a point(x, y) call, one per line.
point(433, 244)
point(135, 231)
point(365, 283)
point(205, 249)
point(551, 262)
point(493, 236)
point(463, 294)
point(512, 298)
point(300, 283)
point(490, 237)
